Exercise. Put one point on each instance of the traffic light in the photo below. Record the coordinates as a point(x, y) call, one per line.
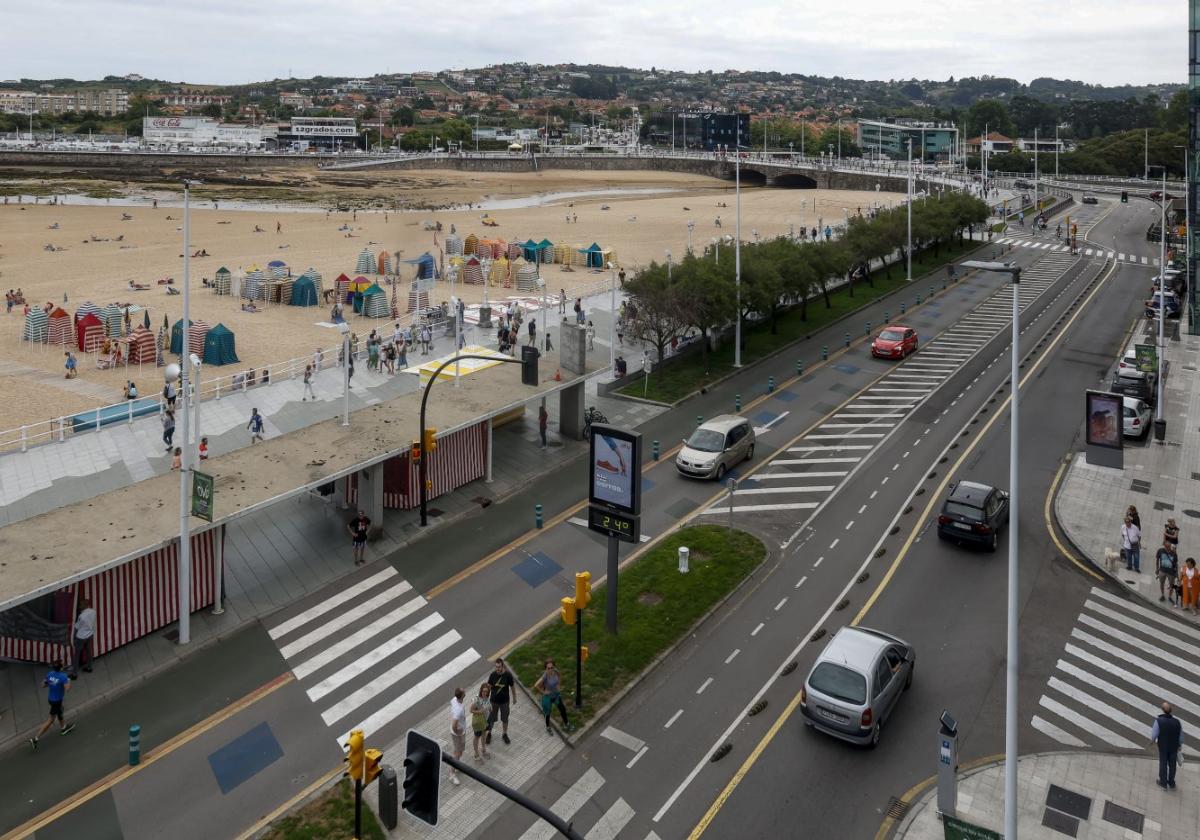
point(354, 755)
point(568, 611)
point(430, 440)
point(416, 451)
point(583, 589)
point(422, 774)
point(529, 365)
point(371, 767)
point(1124, 197)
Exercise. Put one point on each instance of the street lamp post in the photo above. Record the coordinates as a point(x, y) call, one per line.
point(612, 320)
point(477, 144)
point(344, 329)
point(737, 258)
point(1010, 695)
point(1160, 423)
point(185, 465)
point(668, 266)
point(909, 187)
point(691, 227)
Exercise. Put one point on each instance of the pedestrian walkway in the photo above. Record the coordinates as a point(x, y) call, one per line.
point(1089, 796)
point(1161, 479)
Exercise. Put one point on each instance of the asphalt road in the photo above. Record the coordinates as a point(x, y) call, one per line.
point(783, 775)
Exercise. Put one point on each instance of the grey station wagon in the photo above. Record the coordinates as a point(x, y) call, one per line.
point(855, 684)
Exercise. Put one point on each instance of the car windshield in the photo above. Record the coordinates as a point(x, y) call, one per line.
point(967, 511)
point(706, 440)
point(891, 335)
point(839, 683)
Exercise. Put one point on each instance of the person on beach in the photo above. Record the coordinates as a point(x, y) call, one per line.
point(71, 366)
point(255, 426)
point(308, 388)
point(168, 424)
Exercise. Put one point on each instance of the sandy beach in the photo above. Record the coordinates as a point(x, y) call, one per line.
point(638, 227)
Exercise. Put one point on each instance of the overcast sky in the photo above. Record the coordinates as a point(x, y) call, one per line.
point(238, 41)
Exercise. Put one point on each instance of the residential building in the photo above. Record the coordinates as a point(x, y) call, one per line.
point(1043, 144)
point(993, 143)
point(107, 103)
point(890, 138)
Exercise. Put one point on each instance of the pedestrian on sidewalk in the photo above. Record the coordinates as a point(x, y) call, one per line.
point(359, 528)
point(549, 342)
point(458, 730)
point(1166, 566)
point(402, 352)
point(169, 394)
point(308, 388)
point(203, 449)
point(500, 682)
point(1171, 533)
point(1132, 513)
point(591, 336)
point(168, 424)
point(548, 687)
point(562, 301)
point(85, 632)
point(177, 458)
point(255, 426)
point(1167, 732)
point(1189, 585)
point(1131, 545)
point(578, 310)
point(481, 710)
point(543, 421)
point(58, 684)
point(318, 357)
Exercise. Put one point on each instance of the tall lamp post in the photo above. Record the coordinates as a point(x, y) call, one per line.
point(909, 187)
point(737, 257)
point(1160, 423)
point(612, 320)
point(691, 227)
point(344, 329)
point(185, 464)
point(1010, 695)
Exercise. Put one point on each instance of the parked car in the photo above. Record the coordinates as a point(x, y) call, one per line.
point(1088, 198)
point(1158, 194)
point(1174, 309)
point(1128, 364)
point(894, 342)
point(1135, 421)
point(716, 446)
point(973, 513)
point(1142, 386)
point(855, 683)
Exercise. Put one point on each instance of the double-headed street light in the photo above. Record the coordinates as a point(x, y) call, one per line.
point(1010, 697)
point(1160, 423)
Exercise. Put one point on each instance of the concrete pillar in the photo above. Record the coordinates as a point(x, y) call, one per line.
point(570, 411)
point(370, 497)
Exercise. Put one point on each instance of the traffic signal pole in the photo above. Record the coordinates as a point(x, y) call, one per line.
point(424, 463)
point(358, 809)
point(579, 659)
point(564, 828)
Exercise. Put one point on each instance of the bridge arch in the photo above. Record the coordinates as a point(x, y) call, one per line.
point(794, 181)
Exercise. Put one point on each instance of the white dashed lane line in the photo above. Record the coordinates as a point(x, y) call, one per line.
point(754, 632)
point(733, 655)
point(674, 718)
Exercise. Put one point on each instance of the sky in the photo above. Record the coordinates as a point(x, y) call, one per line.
point(1106, 42)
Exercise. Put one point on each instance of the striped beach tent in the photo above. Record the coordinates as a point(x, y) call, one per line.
point(305, 292)
point(469, 244)
point(472, 272)
point(253, 287)
point(60, 328)
point(142, 350)
point(113, 316)
point(515, 249)
point(89, 333)
point(219, 346)
point(366, 262)
point(222, 281)
point(395, 304)
point(341, 286)
point(454, 245)
point(87, 308)
point(383, 263)
point(498, 271)
point(546, 251)
point(196, 336)
point(527, 277)
point(35, 326)
point(277, 269)
point(375, 302)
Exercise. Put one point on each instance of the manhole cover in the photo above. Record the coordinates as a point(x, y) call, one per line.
point(1164, 506)
point(1069, 802)
point(1139, 486)
point(1060, 822)
point(1190, 512)
point(435, 511)
point(1124, 817)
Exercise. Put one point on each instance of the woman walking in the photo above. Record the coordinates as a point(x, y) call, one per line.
point(1171, 533)
point(548, 686)
point(1189, 585)
point(481, 708)
point(168, 424)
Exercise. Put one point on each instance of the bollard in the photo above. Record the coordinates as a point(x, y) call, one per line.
point(699, 420)
point(770, 384)
point(918, 300)
point(901, 307)
point(824, 353)
point(684, 553)
point(737, 402)
point(847, 339)
point(135, 745)
point(943, 285)
point(931, 291)
point(886, 317)
point(799, 368)
point(654, 448)
point(868, 332)
point(537, 516)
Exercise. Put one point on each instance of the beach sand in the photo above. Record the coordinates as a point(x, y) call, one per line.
point(638, 228)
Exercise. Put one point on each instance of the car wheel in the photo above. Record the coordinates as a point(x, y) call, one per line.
point(908, 680)
point(720, 471)
point(875, 736)
point(750, 453)
point(995, 541)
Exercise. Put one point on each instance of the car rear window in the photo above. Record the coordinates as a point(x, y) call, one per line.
point(839, 683)
point(959, 509)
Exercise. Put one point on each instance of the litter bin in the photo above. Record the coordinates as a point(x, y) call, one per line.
point(1160, 430)
point(388, 797)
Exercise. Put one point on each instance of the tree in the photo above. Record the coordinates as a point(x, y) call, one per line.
point(659, 307)
point(992, 114)
point(212, 109)
point(706, 291)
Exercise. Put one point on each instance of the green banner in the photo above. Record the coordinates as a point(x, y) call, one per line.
point(1147, 357)
point(202, 496)
point(957, 829)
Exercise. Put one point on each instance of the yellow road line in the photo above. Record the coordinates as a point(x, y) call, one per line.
point(161, 751)
point(1054, 536)
point(292, 803)
point(919, 787)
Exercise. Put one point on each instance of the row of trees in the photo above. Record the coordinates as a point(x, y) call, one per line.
point(1124, 154)
point(1076, 119)
point(699, 294)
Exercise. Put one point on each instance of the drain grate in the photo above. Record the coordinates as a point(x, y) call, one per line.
point(897, 808)
point(1069, 802)
point(1124, 817)
point(1060, 822)
point(1164, 506)
point(1139, 486)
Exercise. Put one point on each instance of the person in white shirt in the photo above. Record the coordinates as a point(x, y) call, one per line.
point(85, 632)
point(458, 729)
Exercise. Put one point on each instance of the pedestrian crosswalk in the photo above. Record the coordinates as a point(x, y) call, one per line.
point(612, 821)
point(810, 471)
point(1120, 662)
point(1060, 247)
point(371, 651)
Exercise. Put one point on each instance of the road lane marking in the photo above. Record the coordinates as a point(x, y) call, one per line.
point(674, 718)
point(782, 601)
point(623, 739)
point(1103, 733)
point(611, 822)
point(861, 509)
point(758, 491)
point(754, 632)
point(849, 524)
point(759, 508)
point(733, 655)
point(800, 582)
point(1096, 705)
point(331, 603)
point(764, 476)
point(344, 620)
point(312, 664)
point(707, 682)
point(371, 658)
point(635, 759)
point(568, 805)
point(833, 544)
point(1055, 732)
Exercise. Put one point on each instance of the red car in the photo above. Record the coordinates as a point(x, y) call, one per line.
point(1157, 196)
point(894, 342)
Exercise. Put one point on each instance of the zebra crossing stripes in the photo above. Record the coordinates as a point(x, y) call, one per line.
point(1051, 247)
point(369, 652)
point(612, 821)
point(1119, 663)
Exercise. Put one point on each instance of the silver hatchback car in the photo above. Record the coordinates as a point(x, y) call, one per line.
point(716, 446)
point(855, 684)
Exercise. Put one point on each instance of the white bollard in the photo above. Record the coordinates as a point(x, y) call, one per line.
point(684, 554)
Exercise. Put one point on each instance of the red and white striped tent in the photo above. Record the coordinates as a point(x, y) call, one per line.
point(472, 272)
point(142, 350)
point(460, 458)
point(89, 333)
point(341, 284)
point(196, 336)
point(60, 328)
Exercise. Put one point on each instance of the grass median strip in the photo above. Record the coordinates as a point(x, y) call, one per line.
point(656, 606)
point(329, 815)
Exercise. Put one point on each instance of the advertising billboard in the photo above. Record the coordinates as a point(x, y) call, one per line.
point(1104, 420)
point(328, 127)
point(615, 469)
point(1147, 357)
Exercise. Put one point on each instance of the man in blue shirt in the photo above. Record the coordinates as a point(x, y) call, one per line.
point(1167, 732)
point(58, 684)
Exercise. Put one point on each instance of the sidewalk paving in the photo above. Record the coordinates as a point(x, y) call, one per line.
point(1090, 796)
point(1161, 479)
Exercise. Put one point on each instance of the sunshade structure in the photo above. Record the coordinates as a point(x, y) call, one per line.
point(113, 318)
point(141, 347)
point(305, 292)
point(366, 262)
point(277, 269)
point(360, 284)
point(222, 281)
point(341, 284)
point(35, 326)
point(252, 285)
point(383, 263)
point(546, 251)
point(60, 328)
point(593, 256)
point(498, 271)
point(89, 333)
point(375, 303)
point(527, 277)
point(417, 301)
point(426, 266)
point(87, 308)
point(472, 272)
point(219, 346)
point(469, 244)
point(530, 250)
point(195, 337)
point(454, 245)
point(515, 248)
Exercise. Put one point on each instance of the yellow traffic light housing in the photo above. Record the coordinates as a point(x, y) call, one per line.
point(568, 611)
point(354, 755)
point(416, 451)
point(371, 767)
point(583, 589)
point(431, 440)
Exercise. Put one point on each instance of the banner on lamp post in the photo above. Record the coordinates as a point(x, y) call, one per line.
point(202, 496)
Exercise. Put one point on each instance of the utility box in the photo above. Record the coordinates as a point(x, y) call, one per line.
point(572, 347)
point(947, 769)
point(389, 803)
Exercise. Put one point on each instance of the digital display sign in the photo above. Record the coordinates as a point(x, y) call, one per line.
point(615, 469)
